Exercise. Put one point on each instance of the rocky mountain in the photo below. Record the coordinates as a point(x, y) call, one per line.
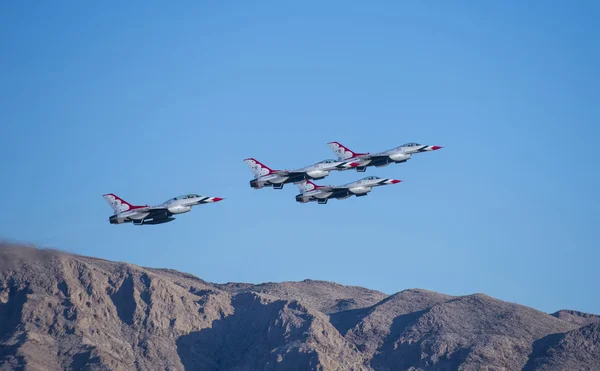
point(62, 311)
point(576, 317)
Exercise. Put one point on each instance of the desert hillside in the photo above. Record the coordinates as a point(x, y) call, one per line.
point(62, 311)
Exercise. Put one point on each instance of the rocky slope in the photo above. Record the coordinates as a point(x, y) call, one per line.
point(576, 317)
point(62, 311)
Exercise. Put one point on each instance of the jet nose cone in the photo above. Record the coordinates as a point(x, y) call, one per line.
point(217, 199)
point(354, 164)
point(394, 181)
point(435, 148)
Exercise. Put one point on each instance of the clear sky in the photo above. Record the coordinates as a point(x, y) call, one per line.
point(151, 101)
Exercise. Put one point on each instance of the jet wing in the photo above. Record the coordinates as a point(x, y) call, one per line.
point(153, 212)
point(374, 157)
point(146, 209)
point(269, 177)
point(332, 188)
point(155, 208)
point(289, 172)
point(292, 175)
point(335, 191)
point(143, 209)
point(377, 159)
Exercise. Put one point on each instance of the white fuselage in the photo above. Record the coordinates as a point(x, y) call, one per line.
point(394, 155)
point(358, 188)
point(173, 206)
point(316, 171)
point(125, 212)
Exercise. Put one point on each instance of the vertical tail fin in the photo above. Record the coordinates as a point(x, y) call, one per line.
point(118, 204)
point(342, 152)
point(306, 186)
point(257, 168)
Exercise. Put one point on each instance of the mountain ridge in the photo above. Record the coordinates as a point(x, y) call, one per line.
point(67, 311)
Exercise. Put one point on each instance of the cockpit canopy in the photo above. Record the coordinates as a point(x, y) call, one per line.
point(412, 144)
point(328, 161)
point(184, 197)
point(372, 178)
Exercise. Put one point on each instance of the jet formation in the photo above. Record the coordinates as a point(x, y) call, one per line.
point(264, 176)
point(346, 160)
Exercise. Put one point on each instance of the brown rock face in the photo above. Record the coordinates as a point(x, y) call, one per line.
point(62, 311)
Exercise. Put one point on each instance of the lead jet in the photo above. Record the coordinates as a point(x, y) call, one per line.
point(392, 156)
point(266, 177)
point(312, 192)
point(124, 212)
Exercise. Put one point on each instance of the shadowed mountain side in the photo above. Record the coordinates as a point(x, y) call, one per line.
point(398, 304)
point(63, 311)
point(366, 327)
point(472, 332)
point(292, 334)
point(578, 349)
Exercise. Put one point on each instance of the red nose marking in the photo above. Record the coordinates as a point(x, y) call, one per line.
point(434, 148)
point(217, 199)
point(354, 164)
point(394, 181)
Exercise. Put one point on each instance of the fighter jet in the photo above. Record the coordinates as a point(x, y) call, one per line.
point(266, 177)
point(163, 213)
point(312, 192)
point(364, 160)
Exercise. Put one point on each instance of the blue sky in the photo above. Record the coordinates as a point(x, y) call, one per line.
point(149, 102)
